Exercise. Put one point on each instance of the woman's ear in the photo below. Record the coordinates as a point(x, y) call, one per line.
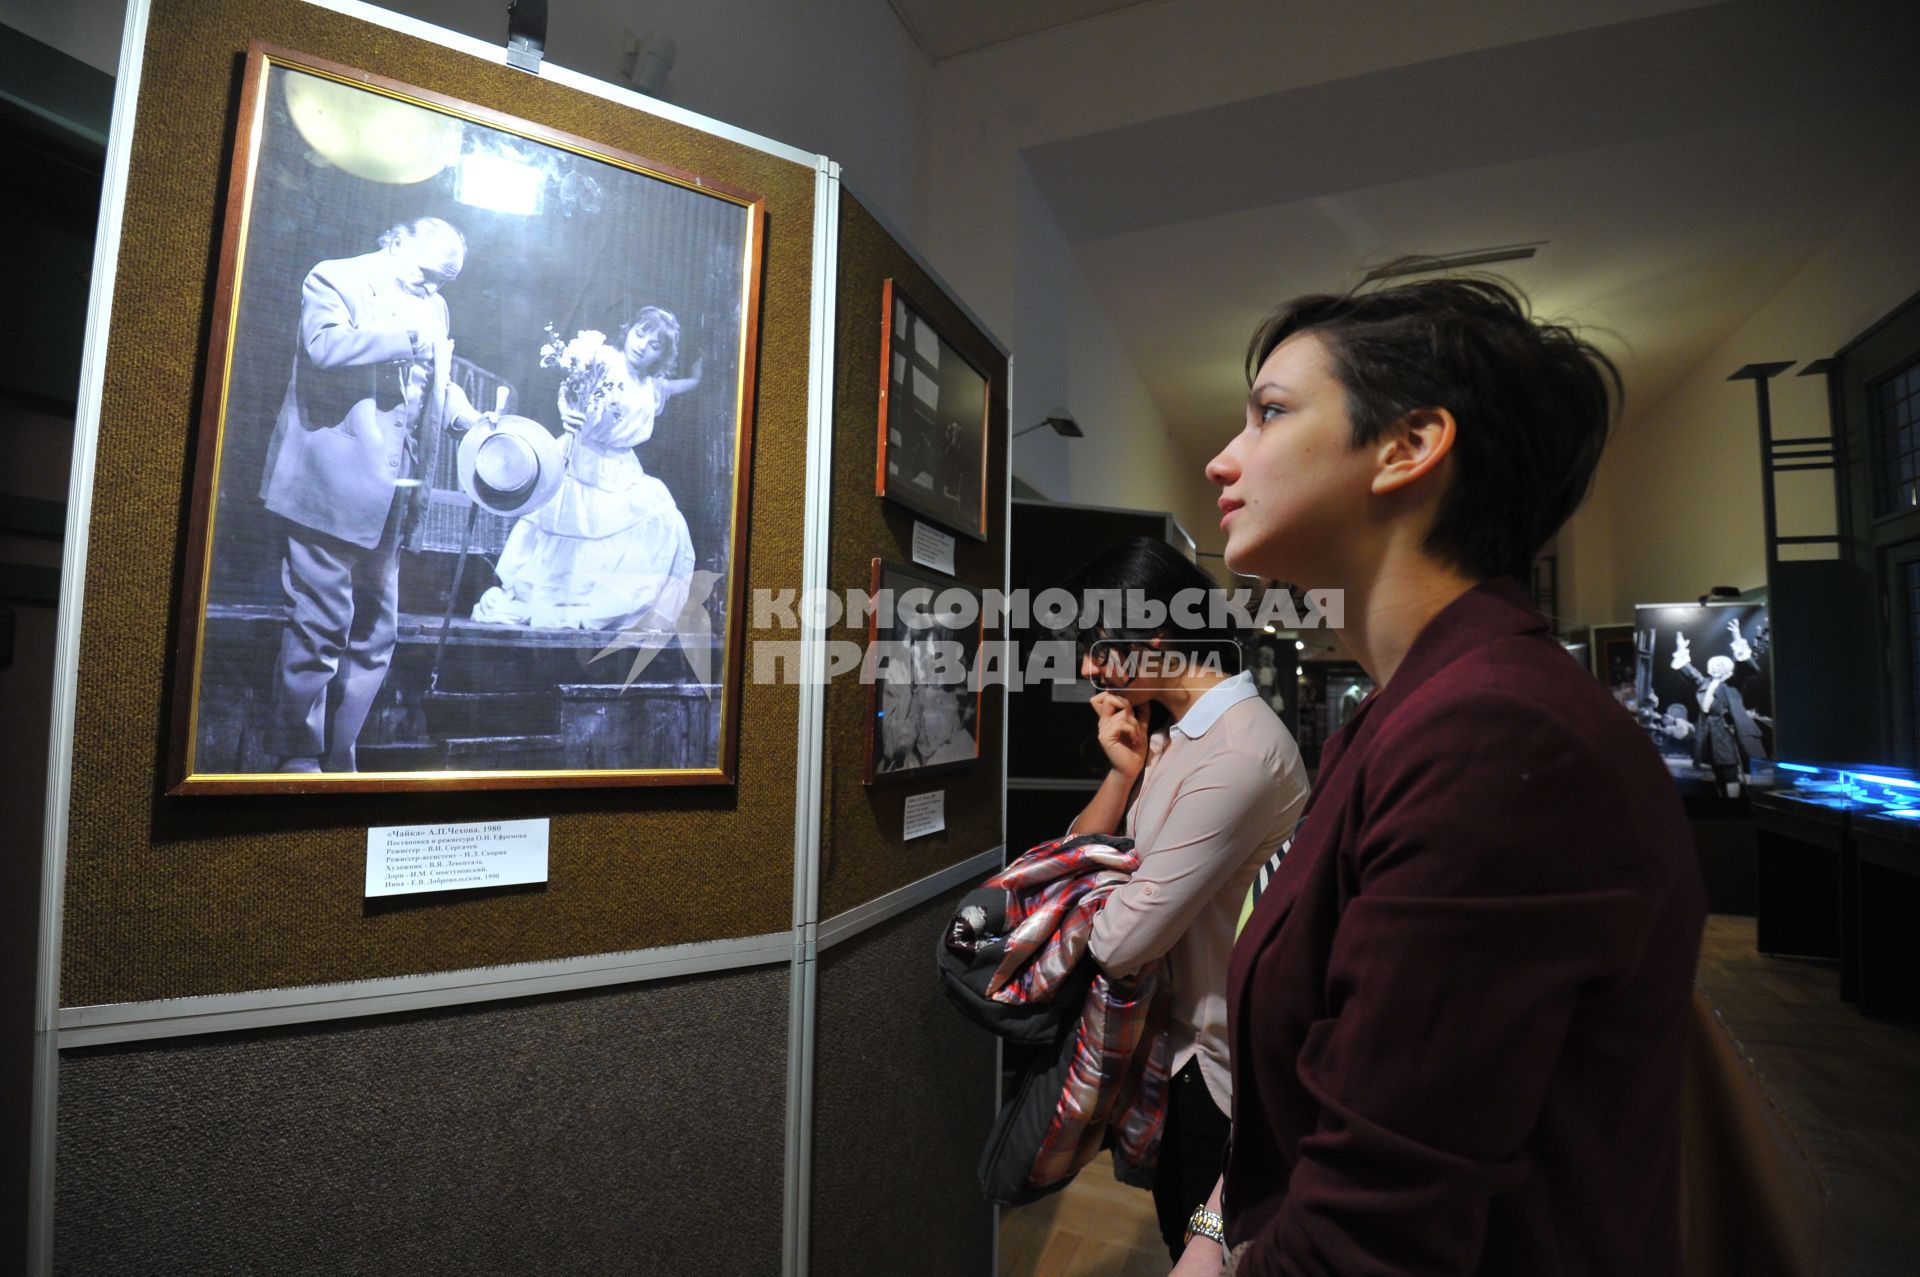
point(1411, 447)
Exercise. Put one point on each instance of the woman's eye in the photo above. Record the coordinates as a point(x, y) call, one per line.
point(1269, 411)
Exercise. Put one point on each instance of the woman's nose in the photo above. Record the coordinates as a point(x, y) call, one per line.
point(1221, 470)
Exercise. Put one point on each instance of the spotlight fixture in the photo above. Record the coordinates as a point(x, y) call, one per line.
point(1062, 424)
point(1425, 264)
point(647, 59)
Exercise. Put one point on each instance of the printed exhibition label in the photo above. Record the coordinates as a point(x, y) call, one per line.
point(402, 859)
point(933, 548)
point(926, 814)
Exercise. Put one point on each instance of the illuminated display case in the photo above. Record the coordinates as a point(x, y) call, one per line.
point(1838, 869)
point(1889, 793)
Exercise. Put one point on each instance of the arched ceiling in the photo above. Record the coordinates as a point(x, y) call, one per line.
point(1678, 169)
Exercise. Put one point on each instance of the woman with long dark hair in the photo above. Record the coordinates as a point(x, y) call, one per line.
point(1207, 782)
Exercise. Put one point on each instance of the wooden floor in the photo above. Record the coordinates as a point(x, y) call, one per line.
point(1849, 1086)
point(1095, 1227)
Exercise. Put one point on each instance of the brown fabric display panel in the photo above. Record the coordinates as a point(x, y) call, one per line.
point(903, 1101)
point(200, 895)
point(862, 855)
point(566, 1135)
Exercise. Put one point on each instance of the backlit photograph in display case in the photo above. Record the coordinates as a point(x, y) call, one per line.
point(1703, 689)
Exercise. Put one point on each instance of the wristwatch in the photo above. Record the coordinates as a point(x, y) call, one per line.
point(1207, 1224)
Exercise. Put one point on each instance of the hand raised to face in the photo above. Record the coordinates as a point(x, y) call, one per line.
point(1122, 732)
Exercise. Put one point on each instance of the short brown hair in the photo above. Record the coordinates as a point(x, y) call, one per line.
point(1533, 401)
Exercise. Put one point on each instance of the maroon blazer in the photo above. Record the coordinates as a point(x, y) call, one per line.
point(1457, 1013)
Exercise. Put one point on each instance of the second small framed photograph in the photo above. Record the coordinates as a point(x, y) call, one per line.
point(1611, 649)
point(932, 456)
point(923, 704)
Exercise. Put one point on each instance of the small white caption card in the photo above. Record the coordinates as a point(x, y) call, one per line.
point(500, 853)
point(933, 548)
point(926, 814)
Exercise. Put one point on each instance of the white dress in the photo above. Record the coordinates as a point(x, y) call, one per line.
point(611, 550)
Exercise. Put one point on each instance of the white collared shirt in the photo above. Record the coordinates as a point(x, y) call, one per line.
point(1215, 701)
point(1209, 813)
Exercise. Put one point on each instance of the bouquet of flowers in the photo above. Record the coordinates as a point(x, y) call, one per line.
point(581, 365)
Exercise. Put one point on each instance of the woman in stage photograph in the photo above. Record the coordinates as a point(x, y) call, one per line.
point(611, 550)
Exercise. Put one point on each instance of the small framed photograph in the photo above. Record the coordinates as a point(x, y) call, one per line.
point(923, 699)
point(471, 474)
point(932, 456)
point(1615, 659)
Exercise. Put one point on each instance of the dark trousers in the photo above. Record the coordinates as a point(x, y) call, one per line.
point(1192, 1148)
point(342, 609)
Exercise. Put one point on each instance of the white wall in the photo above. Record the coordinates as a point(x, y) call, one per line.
point(991, 236)
point(1685, 479)
point(838, 77)
point(85, 29)
point(1128, 457)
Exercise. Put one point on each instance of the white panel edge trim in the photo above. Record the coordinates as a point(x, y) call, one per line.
point(66, 661)
point(1006, 696)
point(1006, 719)
point(497, 53)
point(886, 224)
point(223, 1012)
point(796, 1204)
point(864, 917)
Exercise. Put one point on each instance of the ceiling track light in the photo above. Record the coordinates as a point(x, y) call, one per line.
point(1421, 264)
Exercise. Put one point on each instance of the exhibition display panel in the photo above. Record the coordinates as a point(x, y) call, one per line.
point(492, 778)
point(168, 898)
point(865, 821)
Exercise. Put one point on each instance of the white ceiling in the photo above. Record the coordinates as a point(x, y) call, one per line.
point(1681, 169)
point(946, 28)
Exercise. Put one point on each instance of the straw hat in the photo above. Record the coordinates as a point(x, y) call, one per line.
point(511, 467)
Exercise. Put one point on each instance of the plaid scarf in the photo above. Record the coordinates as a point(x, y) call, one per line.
point(1116, 1087)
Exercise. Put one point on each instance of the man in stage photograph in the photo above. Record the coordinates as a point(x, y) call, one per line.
point(349, 462)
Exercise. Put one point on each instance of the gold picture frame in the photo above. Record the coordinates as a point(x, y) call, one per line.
point(553, 593)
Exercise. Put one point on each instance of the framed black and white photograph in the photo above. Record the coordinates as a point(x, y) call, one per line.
point(923, 703)
point(932, 455)
point(1703, 689)
point(472, 466)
